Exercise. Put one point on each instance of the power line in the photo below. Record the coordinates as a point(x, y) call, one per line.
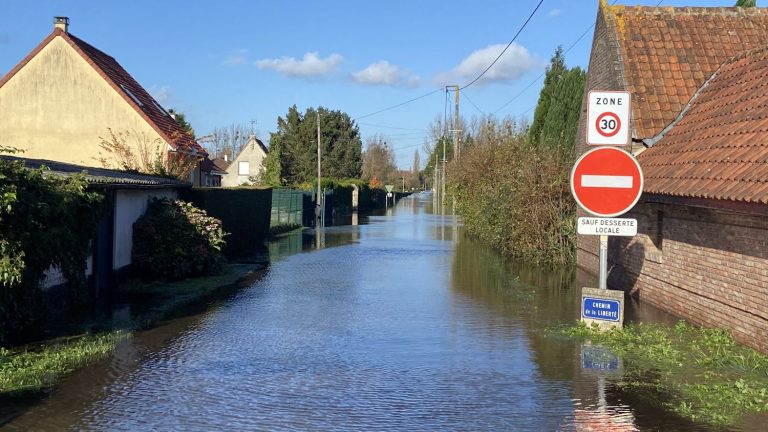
point(506, 47)
point(466, 96)
point(398, 105)
point(535, 80)
point(392, 127)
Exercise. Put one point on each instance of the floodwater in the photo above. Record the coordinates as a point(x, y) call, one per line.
point(398, 323)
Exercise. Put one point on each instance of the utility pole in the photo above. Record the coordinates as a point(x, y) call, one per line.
point(434, 172)
point(456, 130)
point(319, 201)
point(442, 194)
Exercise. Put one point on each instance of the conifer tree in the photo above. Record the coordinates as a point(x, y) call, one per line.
point(559, 129)
point(555, 70)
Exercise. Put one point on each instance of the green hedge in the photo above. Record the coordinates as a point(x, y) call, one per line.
point(244, 214)
point(44, 220)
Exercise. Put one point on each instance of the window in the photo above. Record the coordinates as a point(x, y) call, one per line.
point(244, 168)
point(133, 96)
point(162, 110)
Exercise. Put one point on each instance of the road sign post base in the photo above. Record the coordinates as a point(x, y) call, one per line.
point(601, 307)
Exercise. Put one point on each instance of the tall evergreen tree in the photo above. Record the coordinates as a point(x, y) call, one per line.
point(296, 138)
point(554, 72)
point(746, 3)
point(561, 122)
point(181, 120)
point(273, 175)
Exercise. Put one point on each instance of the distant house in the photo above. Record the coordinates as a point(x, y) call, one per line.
point(247, 165)
point(699, 84)
point(66, 94)
point(213, 171)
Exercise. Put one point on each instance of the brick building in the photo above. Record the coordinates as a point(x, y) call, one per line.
point(699, 84)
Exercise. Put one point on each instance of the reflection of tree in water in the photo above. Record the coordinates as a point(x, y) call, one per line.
point(537, 297)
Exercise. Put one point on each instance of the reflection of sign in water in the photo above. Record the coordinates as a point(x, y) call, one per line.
point(601, 309)
point(598, 358)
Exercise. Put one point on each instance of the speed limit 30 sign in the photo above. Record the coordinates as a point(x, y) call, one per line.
point(608, 118)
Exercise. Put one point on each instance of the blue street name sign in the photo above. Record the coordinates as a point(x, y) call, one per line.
point(600, 309)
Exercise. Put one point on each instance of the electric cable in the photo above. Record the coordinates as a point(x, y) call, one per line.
point(505, 48)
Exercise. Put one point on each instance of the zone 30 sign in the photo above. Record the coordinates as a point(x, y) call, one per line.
point(608, 118)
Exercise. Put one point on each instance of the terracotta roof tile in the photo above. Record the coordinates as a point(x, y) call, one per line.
point(719, 148)
point(124, 83)
point(691, 43)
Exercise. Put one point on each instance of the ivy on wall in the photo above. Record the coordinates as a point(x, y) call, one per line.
point(45, 220)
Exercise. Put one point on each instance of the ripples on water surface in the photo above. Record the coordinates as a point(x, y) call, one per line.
point(400, 324)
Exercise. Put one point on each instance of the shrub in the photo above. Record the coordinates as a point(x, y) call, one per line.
point(516, 198)
point(45, 221)
point(174, 240)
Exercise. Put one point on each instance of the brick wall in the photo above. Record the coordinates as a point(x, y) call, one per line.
point(705, 265)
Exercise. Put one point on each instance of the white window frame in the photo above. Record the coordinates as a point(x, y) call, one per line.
point(246, 165)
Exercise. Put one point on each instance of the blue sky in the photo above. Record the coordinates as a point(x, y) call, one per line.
point(236, 61)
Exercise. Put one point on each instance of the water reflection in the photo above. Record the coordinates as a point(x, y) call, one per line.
point(400, 323)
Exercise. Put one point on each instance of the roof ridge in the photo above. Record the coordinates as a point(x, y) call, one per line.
point(649, 142)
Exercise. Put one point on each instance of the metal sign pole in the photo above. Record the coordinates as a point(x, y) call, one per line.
point(603, 274)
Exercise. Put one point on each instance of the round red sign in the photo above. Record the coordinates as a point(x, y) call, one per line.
point(606, 181)
point(608, 124)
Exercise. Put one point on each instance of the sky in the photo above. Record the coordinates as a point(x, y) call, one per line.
point(234, 62)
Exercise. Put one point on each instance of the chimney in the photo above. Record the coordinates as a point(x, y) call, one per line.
point(226, 157)
point(61, 22)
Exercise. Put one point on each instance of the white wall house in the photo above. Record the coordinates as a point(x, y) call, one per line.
point(248, 164)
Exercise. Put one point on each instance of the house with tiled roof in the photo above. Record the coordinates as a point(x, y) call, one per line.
point(247, 165)
point(698, 78)
point(63, 97)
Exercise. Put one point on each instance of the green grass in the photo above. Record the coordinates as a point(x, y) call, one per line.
point(32, 369)
point(155, 301)
point(282, 228)
point(35, 369)
point(701, 374)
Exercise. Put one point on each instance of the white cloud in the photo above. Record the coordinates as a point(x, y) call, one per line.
point(554, 12)
point(384, 73)
point(236, 58)
point(309, 66)
point(162, 94)
point(512, 65)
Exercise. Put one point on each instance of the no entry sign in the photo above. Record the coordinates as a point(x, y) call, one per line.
point(606, 181)
point(608, 118)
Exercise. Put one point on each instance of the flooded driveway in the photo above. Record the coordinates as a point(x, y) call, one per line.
point(401, 323)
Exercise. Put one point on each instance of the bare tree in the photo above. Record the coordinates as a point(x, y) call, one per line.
point(139, 152)
point(229, 140)
point(379, 161)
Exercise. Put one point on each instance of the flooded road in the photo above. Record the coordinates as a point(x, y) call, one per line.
point(401, 323)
